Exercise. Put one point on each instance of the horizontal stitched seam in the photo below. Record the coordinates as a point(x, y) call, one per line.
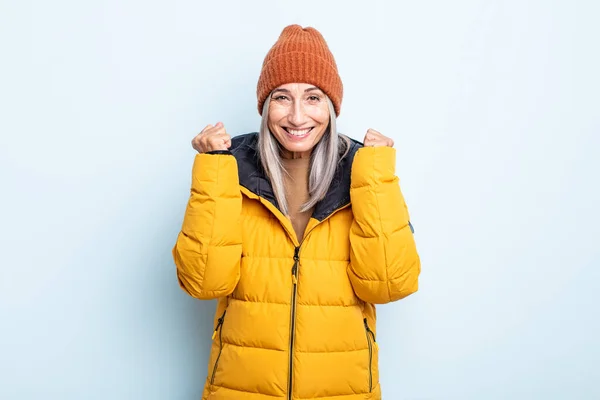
point(385, 235)
point(336, 395)
point(262, 302)
point(247, 391)
point(381, 280)
point(330, 351)
point(300, 304)
point(301, 258)
point(376, 184)
point(251, 347)
point(328, 305)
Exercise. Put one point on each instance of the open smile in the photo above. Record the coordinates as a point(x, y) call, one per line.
point(298, 133)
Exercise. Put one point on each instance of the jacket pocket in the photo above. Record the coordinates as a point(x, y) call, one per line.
point(372, 343)
point(218, 331)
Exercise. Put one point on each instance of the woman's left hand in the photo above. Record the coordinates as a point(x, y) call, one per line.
point(376, 139)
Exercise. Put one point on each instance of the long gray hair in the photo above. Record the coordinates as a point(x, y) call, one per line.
point(323, 161)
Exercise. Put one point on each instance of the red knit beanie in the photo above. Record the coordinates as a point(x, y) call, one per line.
point(300, 55)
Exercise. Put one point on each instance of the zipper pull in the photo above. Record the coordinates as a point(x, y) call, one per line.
point(219, 323)
point(372, 334)
point(295, 267)
point(374, 341)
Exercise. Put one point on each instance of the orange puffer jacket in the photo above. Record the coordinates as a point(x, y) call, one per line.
point(295, 319)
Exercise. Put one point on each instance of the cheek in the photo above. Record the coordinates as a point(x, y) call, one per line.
point(275, 115)
point(321, 115)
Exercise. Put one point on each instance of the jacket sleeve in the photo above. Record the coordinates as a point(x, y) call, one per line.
point(384, 263)
point(209, 247)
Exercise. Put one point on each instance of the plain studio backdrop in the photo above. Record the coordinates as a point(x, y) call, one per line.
point(495, 110)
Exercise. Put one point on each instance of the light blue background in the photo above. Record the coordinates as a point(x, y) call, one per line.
point(495, 110)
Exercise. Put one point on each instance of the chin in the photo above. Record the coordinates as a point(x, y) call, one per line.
point(298, 148)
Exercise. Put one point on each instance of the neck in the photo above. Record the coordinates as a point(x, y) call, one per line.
point(292, 155)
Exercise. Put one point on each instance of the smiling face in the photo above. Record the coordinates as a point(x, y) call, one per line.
point(298, 117)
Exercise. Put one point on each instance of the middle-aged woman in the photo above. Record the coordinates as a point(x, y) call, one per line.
point(297, 231)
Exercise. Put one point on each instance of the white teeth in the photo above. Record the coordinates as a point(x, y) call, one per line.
point(298, 133)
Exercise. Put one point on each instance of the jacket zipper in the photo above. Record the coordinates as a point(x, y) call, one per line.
point(294, 296)
point(370, 335)
point(219, 328)
point(293, 319)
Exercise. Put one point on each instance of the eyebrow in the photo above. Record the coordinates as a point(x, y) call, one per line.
point(287, 91)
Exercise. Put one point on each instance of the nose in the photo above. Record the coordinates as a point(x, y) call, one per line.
point(297, 115)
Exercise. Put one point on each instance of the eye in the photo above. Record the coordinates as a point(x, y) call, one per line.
point(314, 98)
point(280, 98)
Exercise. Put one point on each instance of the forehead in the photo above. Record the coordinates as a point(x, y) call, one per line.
point(297, 87)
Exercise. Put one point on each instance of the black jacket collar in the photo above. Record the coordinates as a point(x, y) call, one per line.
point(252, 176)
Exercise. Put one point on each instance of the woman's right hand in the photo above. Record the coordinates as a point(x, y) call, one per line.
point(212, 138)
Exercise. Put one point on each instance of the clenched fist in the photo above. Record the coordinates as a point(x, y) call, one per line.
point(212, 138)
point(376, 139)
